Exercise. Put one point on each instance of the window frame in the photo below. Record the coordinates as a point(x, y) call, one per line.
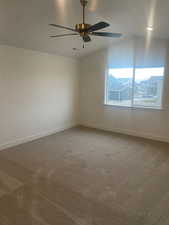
point(133, 106)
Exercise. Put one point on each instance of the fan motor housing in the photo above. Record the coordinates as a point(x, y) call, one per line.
point(84, 2)
point(81, 28)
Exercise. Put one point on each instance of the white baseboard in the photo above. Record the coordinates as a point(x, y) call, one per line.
point(129, 132)
point(35, 136)
point(50, 132)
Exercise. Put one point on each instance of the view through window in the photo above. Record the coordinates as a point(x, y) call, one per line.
point(148, 86)
point(120, 86)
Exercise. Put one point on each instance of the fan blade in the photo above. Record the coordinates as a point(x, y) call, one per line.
point(86, 38)
point(59, 26)
point(97, 26)
point(106, 34)
point(63, 35)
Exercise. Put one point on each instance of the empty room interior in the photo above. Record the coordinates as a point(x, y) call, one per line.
point(84, 112)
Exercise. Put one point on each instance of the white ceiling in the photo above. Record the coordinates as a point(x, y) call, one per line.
point(24, 23)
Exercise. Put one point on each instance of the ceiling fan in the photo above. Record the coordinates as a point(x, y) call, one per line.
point(85, 30)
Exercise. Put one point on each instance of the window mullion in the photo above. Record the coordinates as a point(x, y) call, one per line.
point(134, 74)
point(133, 87)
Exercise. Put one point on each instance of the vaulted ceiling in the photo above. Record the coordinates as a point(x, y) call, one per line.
point(24, 23)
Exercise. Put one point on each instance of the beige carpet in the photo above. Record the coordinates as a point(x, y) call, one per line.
point(86, 177)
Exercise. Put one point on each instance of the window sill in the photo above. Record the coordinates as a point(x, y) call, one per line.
point(134, 107)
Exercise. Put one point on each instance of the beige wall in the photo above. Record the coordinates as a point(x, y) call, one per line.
point(140, 122)
point(38, 94)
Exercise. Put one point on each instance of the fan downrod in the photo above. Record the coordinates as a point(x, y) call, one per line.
point(82, 27)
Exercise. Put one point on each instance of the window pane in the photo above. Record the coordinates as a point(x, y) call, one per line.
point(119, 86)
point(148, 86)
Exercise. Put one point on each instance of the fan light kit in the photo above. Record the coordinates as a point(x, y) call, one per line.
point(85, 30)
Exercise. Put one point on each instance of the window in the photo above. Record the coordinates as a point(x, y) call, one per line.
point(136, 81)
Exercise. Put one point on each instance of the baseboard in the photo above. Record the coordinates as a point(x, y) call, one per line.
point(128, 132)
point(50, 132)
point(35, 136)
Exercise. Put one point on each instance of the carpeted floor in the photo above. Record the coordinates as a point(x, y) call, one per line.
point(86, 177)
